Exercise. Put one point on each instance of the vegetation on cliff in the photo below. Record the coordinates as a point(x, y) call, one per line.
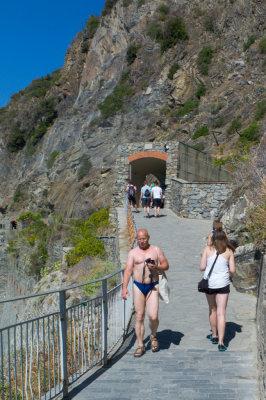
point(34, 244)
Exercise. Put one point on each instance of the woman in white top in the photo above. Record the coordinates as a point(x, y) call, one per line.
point(219, 282)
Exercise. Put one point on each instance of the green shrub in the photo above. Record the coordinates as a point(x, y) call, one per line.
point(38, 133)
point(101, 81)
point(251, 134)
point(218, 123)
point(202, 131)
point(132, 53)
point(126, 3)
point(52, 158)
point(45, 192)
point(190, 105)
point(163, 9)
point(92, 26)
point(200, 91)
point(100, 218)
point(173, 70)
point(17, 140)
point(18, 196)
point(85, 166)
point(260, 110)
point(81, 235)
point(234, 127)
point(175, 31)
point(108, 6)
point(249, 42)
point(262, 45)
point(114, 101)
point(47, 113)
point(85, 47)
point(155, 32)
point(140, 3)
point(204, 59)
point(86, 247)
point(39, 87)
point(209, 24)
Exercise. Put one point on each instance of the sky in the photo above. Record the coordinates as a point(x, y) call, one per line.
point(34, 37)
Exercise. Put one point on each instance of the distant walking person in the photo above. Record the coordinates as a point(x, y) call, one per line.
point(216, 225)
point(145, 198)
point(157, 198)
point(219, 282)
point(145, 261)
point(131, 194)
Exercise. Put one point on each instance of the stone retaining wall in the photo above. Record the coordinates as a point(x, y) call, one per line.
point(261, 330)
point(198, 199)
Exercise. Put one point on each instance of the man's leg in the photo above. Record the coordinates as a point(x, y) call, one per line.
point(139, 303)
point(152, 306)
point(145, 211)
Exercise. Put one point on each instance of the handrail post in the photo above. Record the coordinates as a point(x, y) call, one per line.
point(123, 312)
point(63, 339)
point(104, 319)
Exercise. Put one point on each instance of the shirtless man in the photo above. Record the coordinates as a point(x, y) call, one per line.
point(145, 261)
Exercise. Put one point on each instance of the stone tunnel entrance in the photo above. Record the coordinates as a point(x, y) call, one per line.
point(146, 163)
point(167, 161)
point(137, 160)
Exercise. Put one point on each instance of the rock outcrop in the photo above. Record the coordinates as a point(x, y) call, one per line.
point(82, 140)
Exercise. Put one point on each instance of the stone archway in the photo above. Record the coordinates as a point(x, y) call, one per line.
point(139, 159)
point(145, 163)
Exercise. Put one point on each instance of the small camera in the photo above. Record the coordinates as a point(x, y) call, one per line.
point(150, 261)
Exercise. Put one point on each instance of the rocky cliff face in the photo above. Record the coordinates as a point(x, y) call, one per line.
point(69, 170)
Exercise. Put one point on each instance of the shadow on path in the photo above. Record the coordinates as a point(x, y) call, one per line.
point(166, 338)
point(127, 344)
point(230, 331)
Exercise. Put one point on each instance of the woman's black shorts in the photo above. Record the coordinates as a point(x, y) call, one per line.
point(223, 290)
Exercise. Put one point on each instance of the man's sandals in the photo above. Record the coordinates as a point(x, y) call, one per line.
point(140, 351)
point(154, 343)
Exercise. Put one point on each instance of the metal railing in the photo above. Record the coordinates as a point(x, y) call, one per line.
point(40, 357)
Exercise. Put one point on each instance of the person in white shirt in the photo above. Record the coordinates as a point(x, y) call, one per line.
point(157, 198)
point(219, 282)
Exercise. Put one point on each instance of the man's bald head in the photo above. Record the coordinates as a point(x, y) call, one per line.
point(143, 238)
point(142, 232)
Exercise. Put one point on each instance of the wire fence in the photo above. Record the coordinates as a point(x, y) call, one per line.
point(40, 357)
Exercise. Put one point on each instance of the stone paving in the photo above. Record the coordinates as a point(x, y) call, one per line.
point(188, 365)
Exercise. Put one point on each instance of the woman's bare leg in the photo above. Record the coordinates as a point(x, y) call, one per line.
point(211, 298)
point(221, 300)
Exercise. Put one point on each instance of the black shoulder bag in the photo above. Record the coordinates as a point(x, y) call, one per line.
point(203, 285)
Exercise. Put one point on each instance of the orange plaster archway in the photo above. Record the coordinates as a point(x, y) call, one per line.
point(148, 154)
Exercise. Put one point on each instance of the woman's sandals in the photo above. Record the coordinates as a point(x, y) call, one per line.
point(140, 351)
point(154, 343)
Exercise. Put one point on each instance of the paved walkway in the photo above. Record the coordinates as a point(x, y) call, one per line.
point(188, 366)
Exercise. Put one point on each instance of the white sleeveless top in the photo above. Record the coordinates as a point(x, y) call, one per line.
point(220, 276)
